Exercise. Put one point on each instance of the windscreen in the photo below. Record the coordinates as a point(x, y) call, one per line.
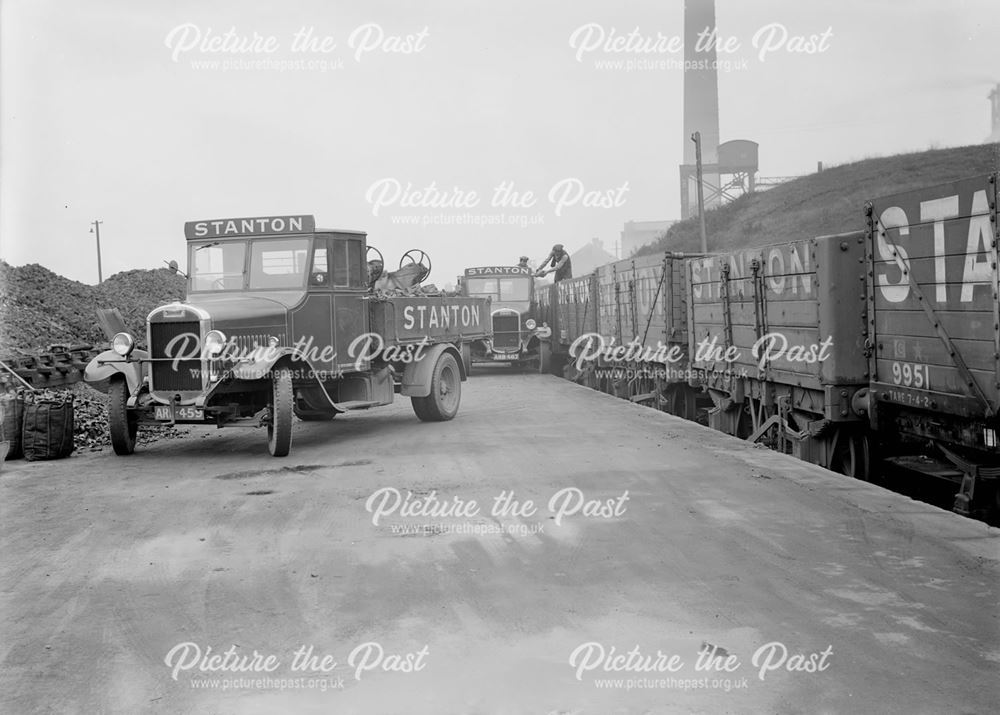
point(278, 263)
point(217, 265)
point(507, 290)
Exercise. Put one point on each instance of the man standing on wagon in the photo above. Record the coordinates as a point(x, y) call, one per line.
point(560, 264)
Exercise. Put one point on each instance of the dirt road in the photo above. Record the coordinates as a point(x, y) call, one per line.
point(119, 574)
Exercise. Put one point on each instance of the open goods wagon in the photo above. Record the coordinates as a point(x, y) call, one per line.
point(933, 342)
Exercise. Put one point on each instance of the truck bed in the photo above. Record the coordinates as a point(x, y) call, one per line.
point(409, 319)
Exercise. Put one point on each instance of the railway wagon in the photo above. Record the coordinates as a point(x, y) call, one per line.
point(642, 306)
point(933, 342)
point(570, 309)
point(776, 337)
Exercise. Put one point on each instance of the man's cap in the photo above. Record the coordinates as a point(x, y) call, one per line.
point(557, 247)
point(523, 258)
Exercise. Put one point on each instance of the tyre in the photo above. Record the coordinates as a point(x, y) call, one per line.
point(544, 358)
point(279, 429)
point(446, 392)
point(122, 426)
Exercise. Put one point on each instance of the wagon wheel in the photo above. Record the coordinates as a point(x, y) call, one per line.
point(415, 255)
point(376, 264)
point(851, 454)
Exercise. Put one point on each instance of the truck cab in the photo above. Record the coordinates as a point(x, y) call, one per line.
point(282, 319)
point(517, 336)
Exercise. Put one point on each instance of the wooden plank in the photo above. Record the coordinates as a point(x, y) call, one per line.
point(979, 354)
point(960, 325)
point(956, 296)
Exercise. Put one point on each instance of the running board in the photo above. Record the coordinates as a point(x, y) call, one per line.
point(356, 405)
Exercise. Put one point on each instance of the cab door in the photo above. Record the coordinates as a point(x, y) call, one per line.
point(348, 280)
point(312, 320)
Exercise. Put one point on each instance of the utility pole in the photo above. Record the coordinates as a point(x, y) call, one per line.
point(95, 229)
point(696, 138)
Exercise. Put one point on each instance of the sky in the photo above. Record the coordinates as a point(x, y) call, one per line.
point(512, 127)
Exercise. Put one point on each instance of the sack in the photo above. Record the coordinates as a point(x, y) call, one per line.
point(12, 423)
point(48, 430)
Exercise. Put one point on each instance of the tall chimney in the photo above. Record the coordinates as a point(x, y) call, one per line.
point(701, 82)
point(701, 104)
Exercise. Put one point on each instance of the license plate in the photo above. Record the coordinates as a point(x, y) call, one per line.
point(504, 356)
point(169, 413)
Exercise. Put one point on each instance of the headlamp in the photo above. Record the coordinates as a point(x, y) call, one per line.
point(215, 341)
point(123, 344)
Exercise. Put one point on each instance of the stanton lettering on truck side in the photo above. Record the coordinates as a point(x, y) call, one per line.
point(422, 317)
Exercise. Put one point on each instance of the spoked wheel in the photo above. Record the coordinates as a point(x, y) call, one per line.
point(445, 395)
point(376, 264)
point(418, 257)
point(123, 427)
point(279, 428)
point(851, 454)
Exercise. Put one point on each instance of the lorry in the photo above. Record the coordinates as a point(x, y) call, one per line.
point(516, 335)
point(283, 320)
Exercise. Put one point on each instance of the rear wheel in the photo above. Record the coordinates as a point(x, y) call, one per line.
point(279, 429)
point(123, 426)
point(445, 395)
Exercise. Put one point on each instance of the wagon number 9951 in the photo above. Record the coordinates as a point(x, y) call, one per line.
point(911, 375)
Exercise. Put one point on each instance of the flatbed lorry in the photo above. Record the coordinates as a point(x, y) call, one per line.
point(283, 319)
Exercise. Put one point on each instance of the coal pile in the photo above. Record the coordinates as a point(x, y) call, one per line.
point(39, 308)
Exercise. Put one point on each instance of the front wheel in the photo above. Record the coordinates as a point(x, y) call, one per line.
point(279, 429)
point(445, 395)
point(123, 426)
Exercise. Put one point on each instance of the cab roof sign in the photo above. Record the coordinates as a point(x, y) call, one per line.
point(259, 226)
point(499, 271)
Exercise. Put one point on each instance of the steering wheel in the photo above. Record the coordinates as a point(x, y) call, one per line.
point(415, 255)
point(374, 271)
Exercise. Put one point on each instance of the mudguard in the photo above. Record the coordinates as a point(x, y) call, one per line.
point(102, 368)
point(264, 362)
point(260, 368)
point(417, 375)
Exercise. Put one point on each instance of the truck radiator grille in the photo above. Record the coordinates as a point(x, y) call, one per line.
point(164, 376)
point(506, 331)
